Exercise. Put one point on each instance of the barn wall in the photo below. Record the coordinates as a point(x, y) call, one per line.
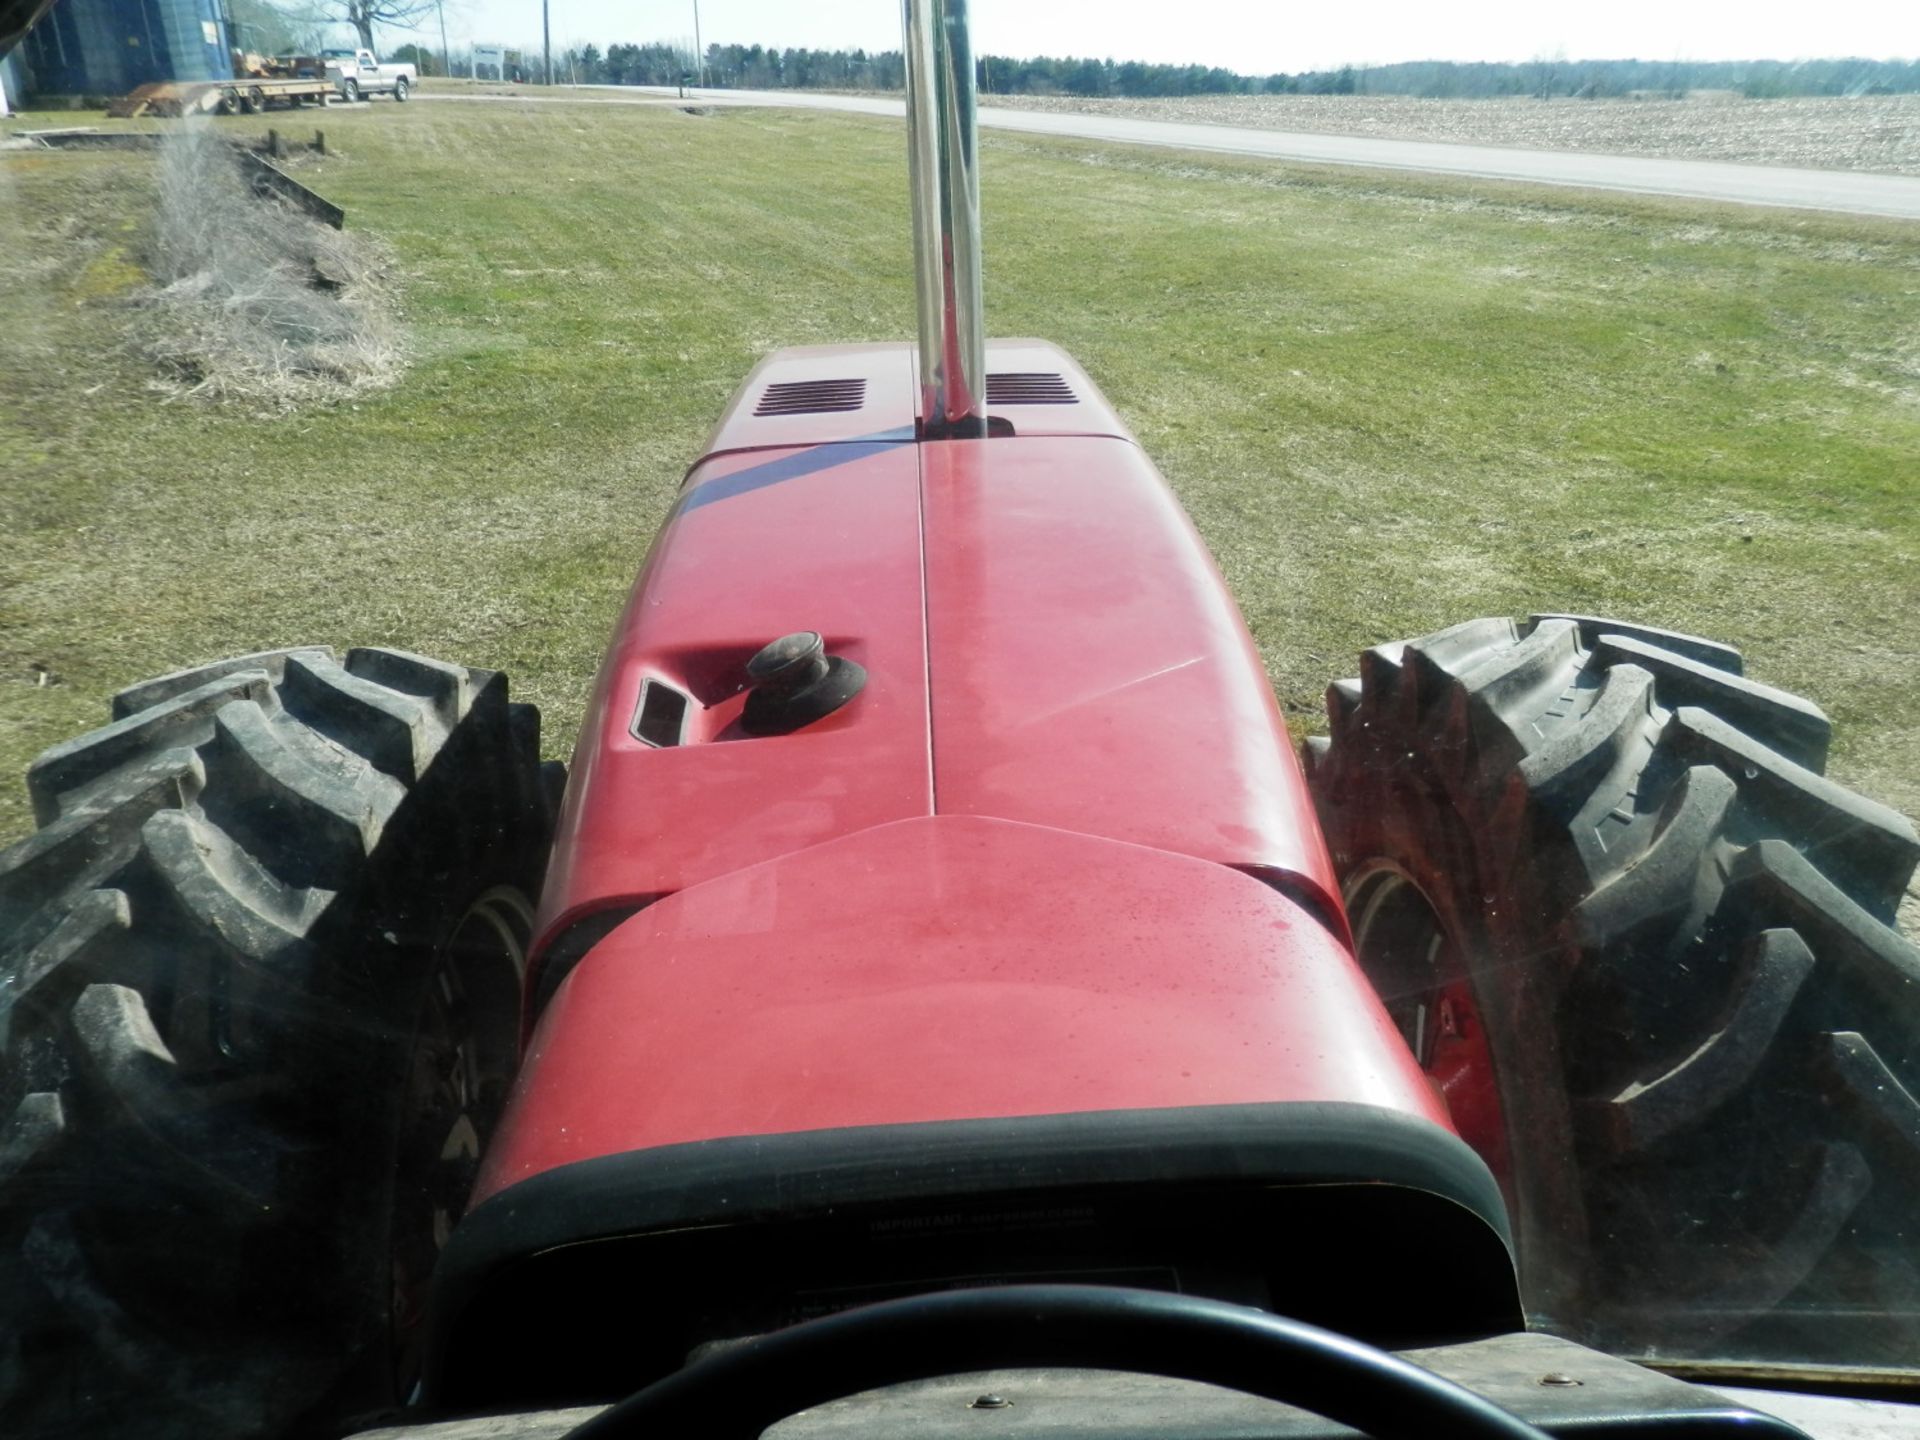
point(107, 47)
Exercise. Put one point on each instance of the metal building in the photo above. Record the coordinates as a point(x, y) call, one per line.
point(107, 47)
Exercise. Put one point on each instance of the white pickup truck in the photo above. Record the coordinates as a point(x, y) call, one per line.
point(358, 73)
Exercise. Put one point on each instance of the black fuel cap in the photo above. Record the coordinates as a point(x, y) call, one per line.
point(796, 682)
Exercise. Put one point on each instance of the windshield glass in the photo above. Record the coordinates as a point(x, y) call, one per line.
point(519, 755)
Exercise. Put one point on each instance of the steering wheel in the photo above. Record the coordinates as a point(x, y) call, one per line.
point(738, 1392)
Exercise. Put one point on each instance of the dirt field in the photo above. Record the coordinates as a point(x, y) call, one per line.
point(1880, 133)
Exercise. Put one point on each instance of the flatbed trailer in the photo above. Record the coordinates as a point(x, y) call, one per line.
point(245, 96)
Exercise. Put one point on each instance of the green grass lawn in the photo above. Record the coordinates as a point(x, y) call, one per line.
point(1389, 403)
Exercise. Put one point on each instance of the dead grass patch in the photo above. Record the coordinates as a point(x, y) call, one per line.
point(252, 298)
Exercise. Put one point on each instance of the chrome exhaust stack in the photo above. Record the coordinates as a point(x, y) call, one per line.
point(943, 151)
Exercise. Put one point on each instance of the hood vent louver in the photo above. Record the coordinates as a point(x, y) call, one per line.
point(812, 397)
point(1029, 387)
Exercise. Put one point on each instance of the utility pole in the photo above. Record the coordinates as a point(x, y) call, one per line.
point(700, 52)
point(446, 65)
point(546, 41)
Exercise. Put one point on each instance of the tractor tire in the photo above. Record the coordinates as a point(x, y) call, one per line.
point(1649, 955)
point(259, 974)
point(400, 89)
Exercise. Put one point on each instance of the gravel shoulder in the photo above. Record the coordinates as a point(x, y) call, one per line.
point(1873, 133)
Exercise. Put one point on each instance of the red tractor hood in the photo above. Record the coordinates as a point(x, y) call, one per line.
point(1027, 961)
point(945, 969)
point(1057, 856)
point(953, 1051)
point(1046, 639)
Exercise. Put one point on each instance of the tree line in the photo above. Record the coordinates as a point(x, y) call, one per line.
point(758, 67)
point(273, 25)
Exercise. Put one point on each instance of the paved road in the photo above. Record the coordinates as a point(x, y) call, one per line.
point(1846, 191)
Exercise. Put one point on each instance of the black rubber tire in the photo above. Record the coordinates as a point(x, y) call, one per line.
point(217, 959)
point(1681, 944)
point(400, 89)
point(349, 91)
